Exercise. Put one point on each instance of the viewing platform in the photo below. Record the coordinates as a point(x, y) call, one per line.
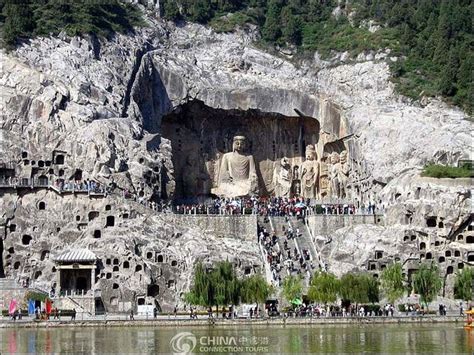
point(70, 188)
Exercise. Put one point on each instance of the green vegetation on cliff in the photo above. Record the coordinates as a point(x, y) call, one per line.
point(443, 171)
point(20, 19)
point(433, 38)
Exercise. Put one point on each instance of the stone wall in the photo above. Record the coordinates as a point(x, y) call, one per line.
point(6, 295)
point(80, 304)
point(325, 224)
point(238, 227)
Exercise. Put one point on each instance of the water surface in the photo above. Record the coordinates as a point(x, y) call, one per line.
point(395, 339)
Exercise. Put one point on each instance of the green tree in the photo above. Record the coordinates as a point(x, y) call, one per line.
point(291, 30)
point(218, 286)
point(427, 283)
point(359, 288)
point(18, 20)
point(324, 288)
point(443, 32)
point(447, 81)
point(292, 287)
point(392, 282)
point(199, 293)
point(171, 10)
point(255, 289)
point(226, 284)
point(272, 28)
point(463, 284)
point(201, 11)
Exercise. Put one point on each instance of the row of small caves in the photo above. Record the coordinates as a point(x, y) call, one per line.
point(82, 223)
point(434, 248)
point(108, 268)
point(57, 167)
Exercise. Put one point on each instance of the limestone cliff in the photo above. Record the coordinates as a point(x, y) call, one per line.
point(100, 104)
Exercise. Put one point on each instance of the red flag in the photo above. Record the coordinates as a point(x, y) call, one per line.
point(12, 307)
point(48, 306)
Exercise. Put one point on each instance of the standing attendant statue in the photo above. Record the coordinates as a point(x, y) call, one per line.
point(282, 178)
point(334, 175)
point(343, 174)
point(309, 174)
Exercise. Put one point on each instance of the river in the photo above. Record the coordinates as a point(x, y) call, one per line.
point(395, 339)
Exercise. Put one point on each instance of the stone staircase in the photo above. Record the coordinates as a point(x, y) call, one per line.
point(84, 304)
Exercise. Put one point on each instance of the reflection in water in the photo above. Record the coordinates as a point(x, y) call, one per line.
point(411, 339)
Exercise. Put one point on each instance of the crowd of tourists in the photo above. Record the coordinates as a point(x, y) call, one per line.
point(282, 256)
point(87, 185)
point(319, 310)
point(273, 206)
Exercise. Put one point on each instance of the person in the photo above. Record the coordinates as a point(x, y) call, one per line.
point(251, 312)
point(73, 315)
point(461, 311)
point(131, 315)
point(175, 311)
point(155, 312)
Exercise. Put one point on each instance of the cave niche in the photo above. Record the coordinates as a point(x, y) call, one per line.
point(200, 135)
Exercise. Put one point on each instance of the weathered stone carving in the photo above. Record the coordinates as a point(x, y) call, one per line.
point(324, 177)
point(282, 178)
point(343, 175)
point(334, 175)
point(237, 174)
point(310, 174)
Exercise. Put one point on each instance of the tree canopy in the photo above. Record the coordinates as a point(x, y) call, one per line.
point(255, 289)
point(427, 282)
point(359, 288)
point(220, 286)
point(324, 288)
point(292, 288)
point(392, 282)
point(463, 284)
point(28, 18)
point(433, 39)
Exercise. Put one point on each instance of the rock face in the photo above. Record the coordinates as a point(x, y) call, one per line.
point(85, 109)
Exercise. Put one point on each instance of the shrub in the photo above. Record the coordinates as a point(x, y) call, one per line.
point(44, 17)
point(442, 171)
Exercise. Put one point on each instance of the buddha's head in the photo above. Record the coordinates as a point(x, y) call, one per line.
point(310, 152)
point(334, 158)
point(239, 144)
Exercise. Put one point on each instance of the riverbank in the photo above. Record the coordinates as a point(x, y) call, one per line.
point(178, 322)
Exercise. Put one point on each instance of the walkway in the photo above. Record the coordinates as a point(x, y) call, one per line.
point(74, 188)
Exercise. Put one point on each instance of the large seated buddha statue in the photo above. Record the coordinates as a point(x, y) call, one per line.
point(237, 174)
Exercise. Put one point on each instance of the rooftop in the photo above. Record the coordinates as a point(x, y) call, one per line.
point(76, 256)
